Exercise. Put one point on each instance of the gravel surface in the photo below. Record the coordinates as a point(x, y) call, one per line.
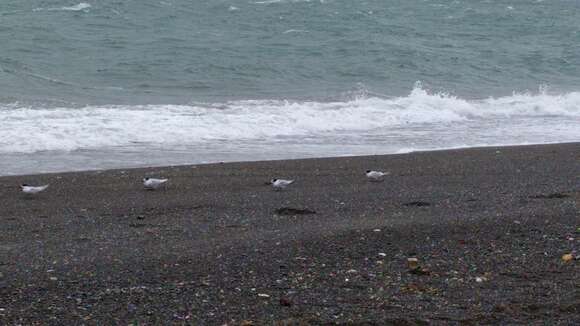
point(495, 233)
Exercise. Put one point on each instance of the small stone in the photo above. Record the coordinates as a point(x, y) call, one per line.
point(420, 271)
point(131, 307)
point(285, 302)
point(412, 263)
point(567, 257)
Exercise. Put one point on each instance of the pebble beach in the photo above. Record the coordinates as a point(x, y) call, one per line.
point(468, 236)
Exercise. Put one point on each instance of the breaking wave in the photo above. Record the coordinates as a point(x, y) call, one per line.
point(78, 7)
point(32, 129)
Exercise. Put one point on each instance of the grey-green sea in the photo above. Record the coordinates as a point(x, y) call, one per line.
point(100, 84)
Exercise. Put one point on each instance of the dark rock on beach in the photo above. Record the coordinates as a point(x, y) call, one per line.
point(96, 249)
point(294, 211)
point(557, 195)
point(417, 203)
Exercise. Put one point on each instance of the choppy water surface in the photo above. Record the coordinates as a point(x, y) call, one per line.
point(102, 84)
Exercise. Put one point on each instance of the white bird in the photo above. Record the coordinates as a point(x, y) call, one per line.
point(280, 184)
point(28, 189)
point(375, 176)
point(152, 183)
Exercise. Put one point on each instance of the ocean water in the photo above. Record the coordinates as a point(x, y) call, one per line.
point(112, 84)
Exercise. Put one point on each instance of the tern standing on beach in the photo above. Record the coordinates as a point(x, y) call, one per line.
point(31, 190)
point(375, 176)
point(280, 184)
point(153, 183)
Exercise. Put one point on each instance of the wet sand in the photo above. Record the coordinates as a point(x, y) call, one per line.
point(488, 226)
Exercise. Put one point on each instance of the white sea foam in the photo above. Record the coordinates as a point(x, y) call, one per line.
point(295, 31)
point(78, 7)
point(488, 121)
point(265, 2)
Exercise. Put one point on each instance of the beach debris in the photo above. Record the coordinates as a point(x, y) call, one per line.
point(567, 257)
point(377, 230)
point(31, 190)
point(418, 288)
point(279, 184)
point(285, 302)
point(375, 176)
point(153, 183)
point(412, 263)
point(247, 323)
point(382, 254)
point(482, 278)
point(417, 203)
point(556, 195)
point(415, 268)
point(294, 211)
point(263, 295)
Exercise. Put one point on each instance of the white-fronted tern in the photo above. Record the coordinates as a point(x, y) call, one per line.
point(153, 183)
point(375, 176)
point(280, 184)
point(28, 189)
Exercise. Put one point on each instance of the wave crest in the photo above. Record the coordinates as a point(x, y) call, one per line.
point(83, 6)
point(27, 129)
